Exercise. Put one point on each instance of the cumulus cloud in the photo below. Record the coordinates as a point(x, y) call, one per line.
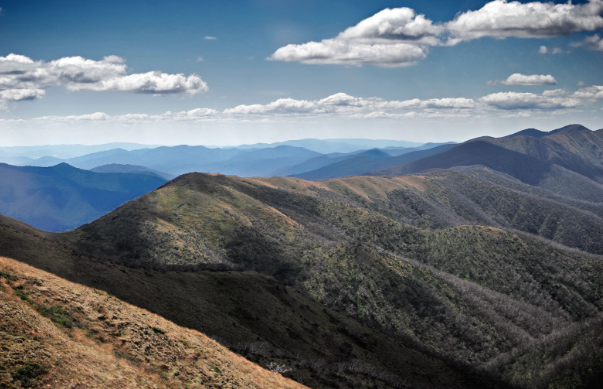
point(503, 19)
point(22, 78)
point(398, 24)
point(594, 42)
point(390, 38)
point(196, 114)
point(21, 94)
point(210, 38)
point(522, 101)
point(342, 103)
point(338, 52)
point(399, 37)
point(589, 92)
point(526, 80)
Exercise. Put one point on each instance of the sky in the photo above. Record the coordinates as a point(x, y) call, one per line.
point(234, 72)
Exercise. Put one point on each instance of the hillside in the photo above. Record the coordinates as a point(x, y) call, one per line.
point(362, 263)
point(255, 315)
point(574, 147)
point(57, 333)
point(63, 197)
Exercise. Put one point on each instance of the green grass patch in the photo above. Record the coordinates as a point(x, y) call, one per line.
point(29, 373)
point(58, 315)
point(8, 276)
point(158, 330)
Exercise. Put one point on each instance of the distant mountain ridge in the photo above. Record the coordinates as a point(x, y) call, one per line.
point(64, 197)
point(537, 134)
point(284, 158)
point(117, 168)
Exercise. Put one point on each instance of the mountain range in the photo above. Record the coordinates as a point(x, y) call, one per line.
point(63, 197)
point(256, 160)
point(459, 266)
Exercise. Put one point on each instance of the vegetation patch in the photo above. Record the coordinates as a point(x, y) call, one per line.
point(8, 276)
point(28, 374)
point(58, 315)
point(158, 330)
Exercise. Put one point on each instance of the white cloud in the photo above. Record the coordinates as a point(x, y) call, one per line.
point(594, 42)
point(502, 19)
point(210, 38)
point(589, 92)
point(152, 82)
point(97, 116)
point(341, 103)
point(398, 24)
point(399, 37)
point(21, 94)
point(20, 73)
point(534, 79)
point(338, 52)
point(391, 38)
point(522, 101)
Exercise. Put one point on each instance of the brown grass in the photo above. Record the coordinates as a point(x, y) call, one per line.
point(111, 345)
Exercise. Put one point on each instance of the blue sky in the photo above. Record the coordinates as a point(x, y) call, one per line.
point(395, 75)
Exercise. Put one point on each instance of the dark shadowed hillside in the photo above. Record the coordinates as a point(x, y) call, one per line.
point(489, 289)
point(525, 168)
point(253, 314)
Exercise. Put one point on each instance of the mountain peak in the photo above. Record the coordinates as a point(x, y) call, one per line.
point(531, 132)
point(569, 128)
point(374, 154)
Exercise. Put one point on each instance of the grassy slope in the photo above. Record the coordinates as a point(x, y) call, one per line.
point(348, 257)
point(253, 314)
point(57, 333)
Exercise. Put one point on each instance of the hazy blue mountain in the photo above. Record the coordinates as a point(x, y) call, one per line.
point(117, 168)
point(262, 162)
point(65, 151)
point(365, 163)
point(174, 160)
point(63, 197)
point(178, 160)
point(326, 146)
point(395, 151)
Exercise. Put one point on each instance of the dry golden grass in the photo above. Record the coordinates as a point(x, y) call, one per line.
point(98, 341)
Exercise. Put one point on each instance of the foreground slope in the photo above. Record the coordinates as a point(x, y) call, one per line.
point(60, 334)
point(253, 314)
